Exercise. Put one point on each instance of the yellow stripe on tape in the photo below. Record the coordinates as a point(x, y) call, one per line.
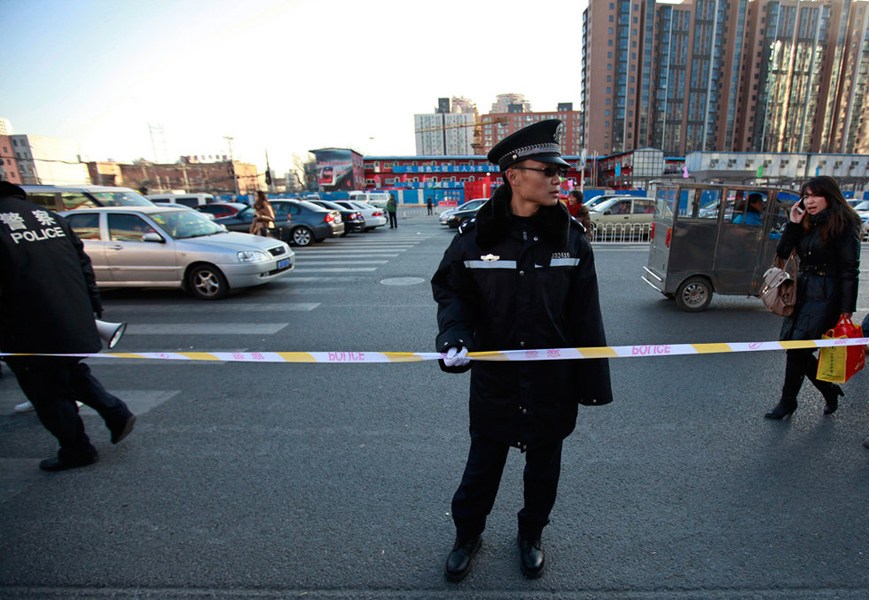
point(296, 357)
point(599, 352)
point(712, 348)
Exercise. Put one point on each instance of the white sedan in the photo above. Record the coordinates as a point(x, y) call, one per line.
point(169, 247)
point(374, 217)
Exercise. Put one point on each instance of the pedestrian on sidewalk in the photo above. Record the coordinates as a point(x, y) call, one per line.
point(392, 209)
point(48, 299)
point(520, 276)
point(428, 206)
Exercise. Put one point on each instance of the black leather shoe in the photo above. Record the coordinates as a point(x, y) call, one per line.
point(781, 410)
point(832, 400)
point(123, 430)
point(57, 464)
point(460, 559)
point(531, 557)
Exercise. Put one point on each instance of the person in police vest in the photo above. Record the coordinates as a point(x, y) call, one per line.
point(519, 276)
point(48, 299)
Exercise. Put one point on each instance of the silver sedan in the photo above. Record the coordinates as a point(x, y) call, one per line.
point(374, 217)
point(161, 246)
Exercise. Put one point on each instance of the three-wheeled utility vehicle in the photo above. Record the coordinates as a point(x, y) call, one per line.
point(713, 238)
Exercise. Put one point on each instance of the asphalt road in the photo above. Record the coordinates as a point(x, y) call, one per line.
point(334, 481)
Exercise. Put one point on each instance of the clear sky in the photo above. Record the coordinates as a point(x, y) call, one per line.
point(278, 76)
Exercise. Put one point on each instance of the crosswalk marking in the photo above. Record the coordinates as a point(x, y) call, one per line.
point(336, 270)
point(204, 328)
point(270, 307)
point(315, 279)
point(318, 262)
point(338, 254)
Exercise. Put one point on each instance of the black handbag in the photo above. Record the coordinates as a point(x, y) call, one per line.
point(779, 288)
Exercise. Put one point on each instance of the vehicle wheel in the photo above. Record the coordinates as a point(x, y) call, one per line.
point(694, 294)
point(206, 282)
point(302, 236)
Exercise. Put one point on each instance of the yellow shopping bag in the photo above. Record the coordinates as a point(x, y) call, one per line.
point(838, 364)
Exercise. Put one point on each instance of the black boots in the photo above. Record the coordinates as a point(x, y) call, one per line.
point(785, 407)
point(832, 399)
point(781, 410)
point(531, 558)
point(460, 559)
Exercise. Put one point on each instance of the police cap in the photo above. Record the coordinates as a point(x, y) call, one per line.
point(539, 141)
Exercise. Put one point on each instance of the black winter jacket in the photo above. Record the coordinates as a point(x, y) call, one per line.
point(48, 294)
point(827, 281)
point(508, 283)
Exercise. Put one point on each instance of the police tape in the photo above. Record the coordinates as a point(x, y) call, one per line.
point(636, 351)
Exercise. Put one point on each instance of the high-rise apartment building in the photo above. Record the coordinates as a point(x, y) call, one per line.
point(449, 131)
point(735, 75)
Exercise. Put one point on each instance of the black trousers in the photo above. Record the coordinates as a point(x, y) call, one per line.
point(53, 385)
point(393, 220)
point(801, 364)
point(474, 499)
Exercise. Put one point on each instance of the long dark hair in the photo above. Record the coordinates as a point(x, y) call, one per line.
point(261, 199)
point(841, 216)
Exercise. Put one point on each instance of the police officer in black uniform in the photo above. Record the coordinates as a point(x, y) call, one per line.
point(520, 276)
point(48, 298)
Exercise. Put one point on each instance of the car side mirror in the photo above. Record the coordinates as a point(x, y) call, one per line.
point(153, 237)
point(223, 228)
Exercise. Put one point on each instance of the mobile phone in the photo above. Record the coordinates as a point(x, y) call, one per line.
point(801, 205)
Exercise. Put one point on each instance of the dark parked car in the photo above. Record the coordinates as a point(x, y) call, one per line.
point(221, 209)
point(298, 222)
point(456, 218)
point(353, 219)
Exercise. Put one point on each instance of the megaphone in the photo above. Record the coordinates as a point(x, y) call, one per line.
point(111, 333)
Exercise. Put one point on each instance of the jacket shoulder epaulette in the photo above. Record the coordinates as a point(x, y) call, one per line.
point(467, 225)
point(575, 221)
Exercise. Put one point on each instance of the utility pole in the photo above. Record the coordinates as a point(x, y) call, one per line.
point(229, 139)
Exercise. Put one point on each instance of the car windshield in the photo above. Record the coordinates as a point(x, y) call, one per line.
point(603, 206)
point(184, 224)
point(863, 205)
point(121, 198)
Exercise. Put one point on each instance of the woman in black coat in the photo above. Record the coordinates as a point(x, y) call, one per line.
point(826, 236)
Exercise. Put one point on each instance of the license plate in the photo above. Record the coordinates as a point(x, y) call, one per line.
point(283, 264)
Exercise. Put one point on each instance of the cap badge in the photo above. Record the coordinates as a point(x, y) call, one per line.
point(559, 131)
point(489, 258)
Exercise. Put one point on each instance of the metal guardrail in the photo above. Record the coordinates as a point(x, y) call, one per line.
point(621, 233)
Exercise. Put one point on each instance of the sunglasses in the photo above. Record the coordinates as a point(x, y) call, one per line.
point(548, 171)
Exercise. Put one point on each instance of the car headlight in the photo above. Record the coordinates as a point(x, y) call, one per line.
point(246, 256)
